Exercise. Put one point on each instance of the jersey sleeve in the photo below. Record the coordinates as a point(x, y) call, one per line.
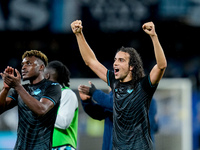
point(147, 85)
point(53, 93)
point(68, 106)
point(110, 78)
point(13, 94)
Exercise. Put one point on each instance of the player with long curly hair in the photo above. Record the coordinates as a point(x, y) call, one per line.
point(132, 91)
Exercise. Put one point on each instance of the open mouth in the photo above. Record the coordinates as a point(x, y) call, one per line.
point(116, 70)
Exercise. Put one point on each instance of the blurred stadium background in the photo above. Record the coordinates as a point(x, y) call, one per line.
point(45, 25)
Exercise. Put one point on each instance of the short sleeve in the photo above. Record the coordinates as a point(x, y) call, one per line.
point(147, 86)
point(68, 106)
point(110, 78)
point(53, 93)
point(13, 94)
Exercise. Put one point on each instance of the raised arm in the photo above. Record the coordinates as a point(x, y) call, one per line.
point(86, 52)
point(158, 70)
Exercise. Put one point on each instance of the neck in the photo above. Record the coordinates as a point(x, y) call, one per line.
point(127, 78)
point(37, 80)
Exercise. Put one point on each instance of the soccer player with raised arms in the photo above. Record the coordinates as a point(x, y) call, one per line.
point(132, 89)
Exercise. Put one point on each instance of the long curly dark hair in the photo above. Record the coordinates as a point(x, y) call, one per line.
point(136, 62)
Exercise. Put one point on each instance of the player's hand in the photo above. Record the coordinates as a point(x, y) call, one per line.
point(84, 96)
point(9, 71)
point(84, 89)
point(92, 88)
point(11, 80)
point(149, 28)
point(77, 26)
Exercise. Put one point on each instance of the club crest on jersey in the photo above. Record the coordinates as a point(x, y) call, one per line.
point(130, 91)
point(37, 91)
point(54, 84)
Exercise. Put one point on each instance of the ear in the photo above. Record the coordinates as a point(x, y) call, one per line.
point(42, 67)
point(131, 68)
point(47, 76)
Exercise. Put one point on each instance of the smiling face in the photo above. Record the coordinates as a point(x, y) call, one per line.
point(32, 68)
point(122, 70)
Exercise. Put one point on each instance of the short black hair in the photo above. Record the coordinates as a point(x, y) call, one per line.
point(37, 54)
point(62, 72)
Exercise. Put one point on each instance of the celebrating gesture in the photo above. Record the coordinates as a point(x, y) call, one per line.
point(149, 28)
point(130, 85)
point(9, 79)
point(77, 26)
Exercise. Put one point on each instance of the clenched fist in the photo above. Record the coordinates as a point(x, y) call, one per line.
point(77, 26)
point(149, 28)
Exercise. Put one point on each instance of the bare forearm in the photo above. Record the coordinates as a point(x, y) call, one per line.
point(159, 53)
point(32, 103)
point(85, 50)
point(3, 96)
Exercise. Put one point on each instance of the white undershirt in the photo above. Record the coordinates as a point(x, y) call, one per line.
point(68, 105)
